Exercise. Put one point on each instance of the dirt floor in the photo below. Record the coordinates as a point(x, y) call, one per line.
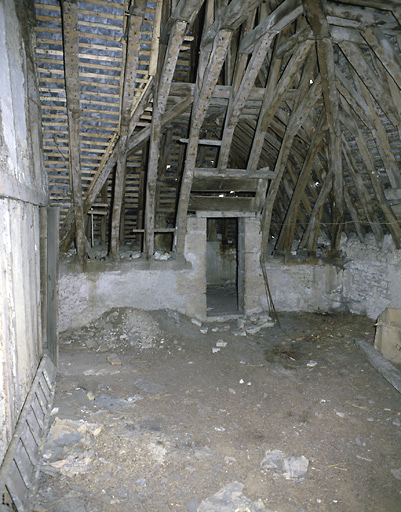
point(155, 413)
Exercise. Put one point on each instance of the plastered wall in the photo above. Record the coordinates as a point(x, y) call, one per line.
point(367, 281)
point(22, 190)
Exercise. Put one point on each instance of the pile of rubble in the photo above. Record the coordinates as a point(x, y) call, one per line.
point(117, 330)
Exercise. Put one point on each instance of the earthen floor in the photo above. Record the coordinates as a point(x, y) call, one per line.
point(192, 409)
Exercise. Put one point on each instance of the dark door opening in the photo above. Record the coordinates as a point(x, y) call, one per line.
point(222, 267)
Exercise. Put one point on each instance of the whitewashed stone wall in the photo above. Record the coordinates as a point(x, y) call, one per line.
point(372, 276)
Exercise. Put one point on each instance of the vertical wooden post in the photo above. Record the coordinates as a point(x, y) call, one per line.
point(163, 84)
point(52, 283)
point(127, 96)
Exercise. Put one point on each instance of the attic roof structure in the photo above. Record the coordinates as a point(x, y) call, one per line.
point(155, 109)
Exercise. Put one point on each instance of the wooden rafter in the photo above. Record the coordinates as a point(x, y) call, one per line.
point(391, 220)
point(159, 105)
point(382, 142)
point(295, 121)
point(71, 76)
point(128, 89)
point(235, 113)
point(206, 84)
point(105, 168)
point(309, 238)
point(370, 213)
point(315, 13)
point(275, 91)
point(287, 232)
point(378, 90)
point(287, 12)
point(238, 98)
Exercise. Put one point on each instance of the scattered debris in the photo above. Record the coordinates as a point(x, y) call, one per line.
point(196, 322)
point(295, 468)
point(311, 364)
point(231, 499)
point(364, 458)
point(221, 343)
point(273, 460)
point(215, 349)
point(291, 468)
point(73, 465)
point(161, 255)
point(229, 460)
point(114, 360)
point(396, 473)
point(68, 447)
point(102, 371)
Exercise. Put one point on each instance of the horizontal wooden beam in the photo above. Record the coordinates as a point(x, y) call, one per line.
point(204, 142)
point(220, 92)
point(156, 230)
point(233, 173)
point(225, 184)
point(222, 204)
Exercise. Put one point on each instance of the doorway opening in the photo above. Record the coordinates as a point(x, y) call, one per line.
point(222, 297)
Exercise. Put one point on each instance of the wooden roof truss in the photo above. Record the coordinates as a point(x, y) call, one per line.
point(152, 109)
